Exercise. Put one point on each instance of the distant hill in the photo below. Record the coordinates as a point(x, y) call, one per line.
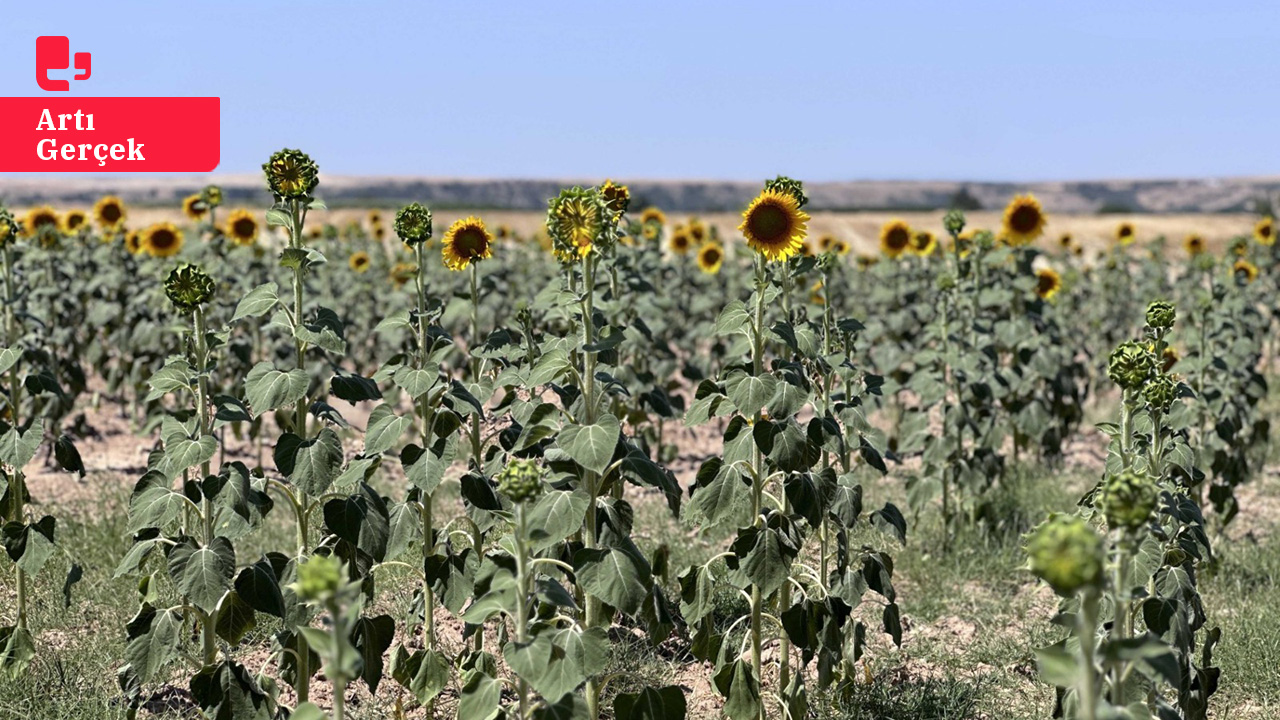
point(1133, 196)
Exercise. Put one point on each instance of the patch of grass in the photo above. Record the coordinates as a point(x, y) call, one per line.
point(925, 699)
point(1243, 598)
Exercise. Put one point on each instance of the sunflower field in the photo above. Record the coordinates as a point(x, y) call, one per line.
point(267, 464)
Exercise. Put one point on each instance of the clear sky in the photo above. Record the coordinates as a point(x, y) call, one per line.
point(977, 89)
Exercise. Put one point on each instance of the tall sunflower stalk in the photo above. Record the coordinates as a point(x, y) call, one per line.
point(17, 479)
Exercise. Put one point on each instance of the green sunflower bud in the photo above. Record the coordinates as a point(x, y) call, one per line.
point(291, 174)
point(984, 240)
point(319, 578)
point(1068, 554)
point(1160, 393)
point(1131, 365)
point(954, 222)
point(946, 282)
point(188, 287)
point(794, 188)
point(521, 481)
point(212, 196)
point(9, 227)
point(1127, 500)
point(413, 223)
point(579, 221)
point(1161, 314)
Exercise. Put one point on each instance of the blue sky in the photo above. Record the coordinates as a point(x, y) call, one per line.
point(699, 89)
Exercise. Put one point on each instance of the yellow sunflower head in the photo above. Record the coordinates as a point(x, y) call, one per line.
point(75, 221)
point(649, 231)
point(895, 238)
point(1024, 220)
point(291, 174)
point(826, 242)
point(162, 240)
point(806, 250)
point(1265, 231)
point(1244, 271)
point(774, 225)
point(1194, 244)
point(359, 261)
point(680, 241)
point(1239, 246)
point(1048, 283)
point(923, 243)
point(375, 217)
point(864, 262)
point(1065, 240)
point(710, 258)
point(109, 213)
point(503, 231)
point(242, 227)
point(1169, 358)
point(617, 197)
point(41, 221)
point(467, 241)
point(194, 207)
point(579, 220)
point(212, 195)
point(401, 273)
point(653, 215)
point(697, 231)
point(1126, 233)
point(840, 247)
point(133, 242)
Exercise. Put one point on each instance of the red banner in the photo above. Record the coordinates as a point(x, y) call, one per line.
point(117, 134)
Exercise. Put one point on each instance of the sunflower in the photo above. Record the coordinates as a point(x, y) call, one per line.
point(1064, 241)
point(866, 261)
point(379, 233)
point(194, 207)
point(242, 227)
point(359, 261)
point(578, 219)
point(826, 242)
point(680, 241)
point(401, 273)
point(375, 217)
point(466, 241)
point(1125, 233)
point(1024, 220)
point(710, 258)
point(617, 197)
point(1239, 246)
point(1265, 231)
point(109, 212)
point(653, 215)
point(1048, 283)
point(697, 231)
point(41, 220)
point(1169, 358)
point(315, 233)
point(75, 221)
point(840, 247)
point(923, 243)
point(133, 242)
point(649, 231)
point(815, 294)
point(503, 231)
point(895, 238)
point(806, 250)
point(1194, 244)
point(963, 243)
point(1244, 271)
point(774, 225)
point(162, 240)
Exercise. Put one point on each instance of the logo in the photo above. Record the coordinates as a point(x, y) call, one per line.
point(53, 52)
point(117, 134)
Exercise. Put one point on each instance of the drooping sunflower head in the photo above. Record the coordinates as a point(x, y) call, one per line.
point(359, 261)
point(188, 287)
point(466, 241)
point(291, 174)
point(162, 240)
point(109, 212)
point(1024, 220)
point(773, 224)
point(923, 243)
point(895, 238)
point(1194, 244)
point(401, 273)
point(413, 224)
point(242, 227)
point(194, 207)
point(1048, 283)
point(133, 242)
point(41, 221)
point(710, 258)
point(680, 241)
point(1126, 233)
point(617, 197)
point(579, 221)
point(653, 215)
point(794, 188)
point(75, 221)
point(1265, 231)
point(1244, 271)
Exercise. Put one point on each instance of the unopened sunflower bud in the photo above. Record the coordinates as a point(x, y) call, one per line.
point(1161, 314)
point(794, 188)
point(413, 223)
point(1131, 365)
point(954, 222)
point(188, 287)
point(521, 481)
point(318, 578)
point(946, 281)
point(1127, 499)
point(984, 240)
point(8, 227)
point(1066, 553)
point(291, 174)
point(212, 196)
point(1160, 393)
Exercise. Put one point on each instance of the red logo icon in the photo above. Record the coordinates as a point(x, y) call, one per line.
point(53, 52)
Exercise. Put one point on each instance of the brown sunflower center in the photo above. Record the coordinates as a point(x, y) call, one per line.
point(898, 237)
point(1126, 230)
point(163, 239)
point(770, 223)
point(1046, 284)
point(110, 213)
point(1024, 219)
point(680, 242)
point(43, 220)
point(1265, 230)
point(244, 227)
point(470, 242)
point(922, 240)
point(711, 256)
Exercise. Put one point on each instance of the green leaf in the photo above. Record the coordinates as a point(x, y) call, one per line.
point(175, 376)
point(615, 576)
point(763, 555)
point(384, 430)
point(257, 585)
point(741, 689)
point(425, 673)
point(324, 331)
point(17, 448)
point(259, 301)
point(556, 515)
point(16, 652)
point(372, 637)
point(750, 393)
point(154, 503)
point(362, 520)
point(425, 469)
point(313, 464)
point(182, 452)
point(266, 388)
point(29, 545)
point(592, 446)
point(665, 703)
point(354, 388)
point(480, 697)
point(152, 648)
point(8, 358)
point(415, 382)
point(235, 618)
point(202, 574)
